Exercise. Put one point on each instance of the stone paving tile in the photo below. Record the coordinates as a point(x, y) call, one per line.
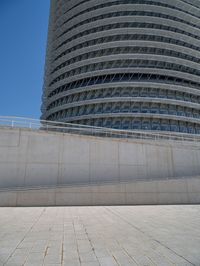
point(108, 261)
point(90, 263)
point(100, 236)
point(87, 257)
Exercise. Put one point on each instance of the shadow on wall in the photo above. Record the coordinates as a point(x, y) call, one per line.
point(179, 191)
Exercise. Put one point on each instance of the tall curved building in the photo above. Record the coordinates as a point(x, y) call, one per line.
point(126, 64)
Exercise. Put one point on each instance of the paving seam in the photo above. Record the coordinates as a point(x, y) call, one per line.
point(147, 235)
point(42, 211)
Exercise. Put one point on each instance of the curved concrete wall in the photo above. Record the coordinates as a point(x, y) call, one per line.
point(103, 43)
point(43, 159)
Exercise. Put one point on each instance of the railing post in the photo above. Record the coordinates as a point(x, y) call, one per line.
point(97, 131)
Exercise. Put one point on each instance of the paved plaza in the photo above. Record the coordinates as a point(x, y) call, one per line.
point(100, 236)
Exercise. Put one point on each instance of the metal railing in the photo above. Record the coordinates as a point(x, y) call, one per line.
point(36, 124)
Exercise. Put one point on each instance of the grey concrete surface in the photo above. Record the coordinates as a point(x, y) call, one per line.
point(102, 236)
point(40, 158)
point(172, 191)
point(67, 169)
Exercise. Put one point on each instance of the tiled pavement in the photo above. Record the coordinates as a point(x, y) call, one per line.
point(100, 236)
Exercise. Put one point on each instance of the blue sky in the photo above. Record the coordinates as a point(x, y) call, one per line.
point(23, 28)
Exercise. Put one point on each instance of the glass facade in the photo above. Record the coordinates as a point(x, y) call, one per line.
point(127, 64)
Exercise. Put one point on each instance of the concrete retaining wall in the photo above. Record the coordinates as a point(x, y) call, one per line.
point(37, 158)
